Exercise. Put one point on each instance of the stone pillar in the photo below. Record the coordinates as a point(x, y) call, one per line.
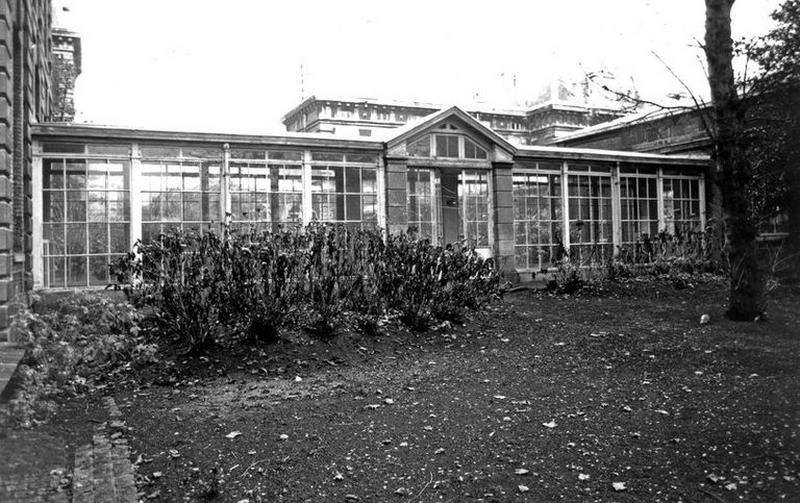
point(396, 196)
point(503, 218)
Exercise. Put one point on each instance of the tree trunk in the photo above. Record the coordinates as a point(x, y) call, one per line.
point(747, 279)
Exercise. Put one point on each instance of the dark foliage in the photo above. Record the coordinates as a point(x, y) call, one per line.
point(201, 288)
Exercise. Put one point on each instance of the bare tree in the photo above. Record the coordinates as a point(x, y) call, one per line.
point(732, 169)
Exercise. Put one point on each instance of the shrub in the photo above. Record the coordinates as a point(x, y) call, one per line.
point(260, 281)
point(426, 283)
point(199, 287)
point(84, 339)
point(182, 278)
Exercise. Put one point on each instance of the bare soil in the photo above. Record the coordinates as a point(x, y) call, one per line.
point(623, 396)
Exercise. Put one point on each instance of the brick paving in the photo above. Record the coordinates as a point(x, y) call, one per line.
point(35, 470)
point(103, 470)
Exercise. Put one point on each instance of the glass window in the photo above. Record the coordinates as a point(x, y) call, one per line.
point(473, 150)
point(446, 145)
point(422, 214)
point(638, 208)
point(473, 191)
point(589, 219)
point(420, 147)
point(538, 224)
point(681, 205)
point(345, 193)
point(85, 220)
point(266, 196)
point(179, 195)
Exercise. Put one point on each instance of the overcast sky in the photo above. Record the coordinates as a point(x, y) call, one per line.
point(235, 66)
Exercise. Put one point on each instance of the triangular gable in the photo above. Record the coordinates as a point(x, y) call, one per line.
point(398, 137)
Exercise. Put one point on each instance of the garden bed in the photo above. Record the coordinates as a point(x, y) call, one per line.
point(540, 398)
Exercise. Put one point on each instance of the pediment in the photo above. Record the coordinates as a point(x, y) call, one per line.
point(449, 134)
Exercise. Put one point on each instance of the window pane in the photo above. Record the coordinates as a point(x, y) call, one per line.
point(119, 238)
point(98, 238)
point(98, 270)
point(76, 271)
point(76, 174)
point(53, 174)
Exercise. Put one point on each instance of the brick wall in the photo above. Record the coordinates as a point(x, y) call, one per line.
point(25, 98)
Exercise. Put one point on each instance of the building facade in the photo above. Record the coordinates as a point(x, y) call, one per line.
point(73, 197)
point(25, 98)
point(538, 124)
point(448, 177)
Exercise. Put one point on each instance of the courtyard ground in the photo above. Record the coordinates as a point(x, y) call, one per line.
point(623, 396)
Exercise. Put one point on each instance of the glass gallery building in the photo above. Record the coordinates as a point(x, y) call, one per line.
point(96, 190)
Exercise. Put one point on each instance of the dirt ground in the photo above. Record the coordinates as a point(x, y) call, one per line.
point(619, 397)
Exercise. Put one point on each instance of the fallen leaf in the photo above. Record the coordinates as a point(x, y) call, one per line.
point(439, 450)
point(730, 486)
point(338, 476)
point(521, 471)
point(284, 436)
point(523, 489)
point(583, 476)
point(401, 491)
point(619, 486)
point(551, 424)
point(388, 401)
point(233, 434)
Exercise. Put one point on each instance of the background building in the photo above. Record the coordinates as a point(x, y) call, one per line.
point(556, 113)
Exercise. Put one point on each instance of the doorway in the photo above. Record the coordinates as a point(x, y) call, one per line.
point(451, 226)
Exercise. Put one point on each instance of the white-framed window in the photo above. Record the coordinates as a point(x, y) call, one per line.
point(638, 207)
point(590, 219)
point(473, 192)
point(423, 203)
point(85, 219)
point(344, 188)
point(682, 204)
point(447, 145)
point(179, 194)
point(267, 194)
point(538, 221)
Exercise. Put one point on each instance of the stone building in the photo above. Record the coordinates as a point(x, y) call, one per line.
point(72, 196)
point(447, 175)
point(25, 98)
point(538, 124)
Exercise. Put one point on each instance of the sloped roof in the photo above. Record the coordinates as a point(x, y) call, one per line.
point(395, 136)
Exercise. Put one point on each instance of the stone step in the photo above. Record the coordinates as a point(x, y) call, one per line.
point(10, 356)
